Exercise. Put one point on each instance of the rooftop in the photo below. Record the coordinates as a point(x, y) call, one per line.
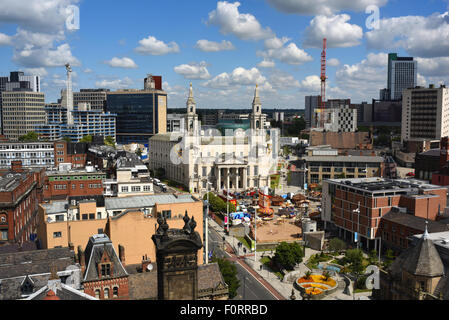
point(414, 222)
point(410, 186)
point(11, 180)
point(146, 201)
point(348, 158)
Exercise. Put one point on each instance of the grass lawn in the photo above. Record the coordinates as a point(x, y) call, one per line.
point(244, 241)
point(266, 262)
point(362, 290)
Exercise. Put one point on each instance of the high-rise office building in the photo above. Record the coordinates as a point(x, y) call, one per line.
point(95, 97)
point(140, 113)
point(402, 74)
point(425, 114)
point(22, 111)
point(311, 103)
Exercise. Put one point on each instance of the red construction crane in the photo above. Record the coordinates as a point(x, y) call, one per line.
point(323, 83)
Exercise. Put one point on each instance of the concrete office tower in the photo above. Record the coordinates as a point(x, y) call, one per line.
point(402, 74)
point(140, 113)
point(425, 114)
point(311, 103)
point(22, 111)
point(95, 97)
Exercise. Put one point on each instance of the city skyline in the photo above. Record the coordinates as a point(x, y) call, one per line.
point(224, 47)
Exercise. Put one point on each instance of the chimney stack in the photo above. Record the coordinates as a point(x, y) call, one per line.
point(82, 260)
point(121, 254)
point(16, 166)
point(145, 263)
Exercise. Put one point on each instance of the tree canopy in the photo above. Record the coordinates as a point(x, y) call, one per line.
point(29, 137)
point(229, 272)
point(336, 244)
point(217, 204)
point(87, 138)
point(109, 141)
point(288, 254)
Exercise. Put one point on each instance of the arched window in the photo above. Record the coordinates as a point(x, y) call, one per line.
point(106, 293)
point(258, 108)
point(257, 124)
point(97, 293)
point(115, 292)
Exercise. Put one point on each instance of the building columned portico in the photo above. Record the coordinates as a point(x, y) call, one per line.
point(236, 161)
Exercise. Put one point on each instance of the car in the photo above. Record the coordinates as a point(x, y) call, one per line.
point(410, 174)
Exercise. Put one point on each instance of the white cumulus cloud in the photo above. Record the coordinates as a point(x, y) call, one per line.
point(325, 7)
point(124, 62)
point(115, 83)
point(193, 70)
point(212, 46)
point(243, 25)
point(420, 36)
point(238, 77)
point(290, 54)
point(336, 29)
point(155, 47)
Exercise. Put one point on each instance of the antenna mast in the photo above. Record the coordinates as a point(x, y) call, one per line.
point(323, 83)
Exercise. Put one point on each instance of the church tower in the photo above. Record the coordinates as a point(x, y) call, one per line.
point(191, 120)
point(257, 118)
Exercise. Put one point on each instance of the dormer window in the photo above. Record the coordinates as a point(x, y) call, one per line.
point(27, 286)
point(105, 269)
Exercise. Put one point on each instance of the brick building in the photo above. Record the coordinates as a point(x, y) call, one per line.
point(20, 194)
point(375, 197)
point(104, 274)
point(397, 228)
point(70, 152)
point(71, 183)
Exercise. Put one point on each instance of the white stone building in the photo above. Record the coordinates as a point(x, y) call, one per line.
point(237, 161)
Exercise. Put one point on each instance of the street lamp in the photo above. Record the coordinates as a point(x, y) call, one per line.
point(358, 223)
point(207, 226)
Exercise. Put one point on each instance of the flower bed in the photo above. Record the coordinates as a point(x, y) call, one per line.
point(315, 285)
point(317, 278)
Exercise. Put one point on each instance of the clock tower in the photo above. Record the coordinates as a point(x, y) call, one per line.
point(191, 119)
point(177, 260)
point(257, 118)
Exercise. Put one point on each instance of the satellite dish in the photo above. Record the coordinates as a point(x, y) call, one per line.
point(150, 267)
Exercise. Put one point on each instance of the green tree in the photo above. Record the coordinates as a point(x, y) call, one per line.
point(229, 273)
point(87, 138)
point(109, 141)
point(67, 139)
point(307, 275)
point(389, 257)
point(373, 257)
point(288, 254)
point(355, 259)
point(29, 137)
point(337, 245)
point(160, 173)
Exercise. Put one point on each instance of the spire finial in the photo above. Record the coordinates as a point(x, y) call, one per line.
point(425, 236)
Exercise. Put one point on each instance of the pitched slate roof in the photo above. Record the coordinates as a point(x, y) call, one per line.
point(424, 260)
point(96, 246)
point(414, 222)
point(35, 262)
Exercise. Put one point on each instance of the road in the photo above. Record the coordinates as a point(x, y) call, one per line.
point(250, 288)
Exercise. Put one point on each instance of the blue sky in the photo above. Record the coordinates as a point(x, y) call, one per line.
point(274, 43)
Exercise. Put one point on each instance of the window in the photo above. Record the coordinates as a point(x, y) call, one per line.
point(146, 188)
point(91, 216)
point(115, 292)
point(57, 234)
point(59, 217)
point(106, 293)
point(106, 269)
point(97, 293)
point(81, 185)
point(4, 234)
point(124, 189)
point(100, 231)
point(99, 216)
point(204, 171)
point(166, 214)
point(85, 216)
point(3, 219)
point(135, 189)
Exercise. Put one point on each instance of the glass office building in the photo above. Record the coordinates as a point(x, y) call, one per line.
point(140, 114)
